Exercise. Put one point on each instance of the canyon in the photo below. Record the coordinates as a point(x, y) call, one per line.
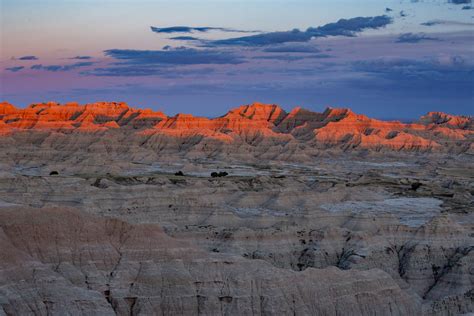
point(110, 210)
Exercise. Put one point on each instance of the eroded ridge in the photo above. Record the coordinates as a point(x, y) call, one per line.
point(266, 125)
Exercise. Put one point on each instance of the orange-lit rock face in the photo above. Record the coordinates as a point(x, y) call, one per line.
point(443, 119)
point(249, 123)
point(252, 120)
point(258, 112)
point(6, 108)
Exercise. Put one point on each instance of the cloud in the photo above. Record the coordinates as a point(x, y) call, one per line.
point(457, 2)
point(190, 29)
point(81, 57)
point(139, 63)
point(124, 71)
point(292, 48)
point(460, 1)
point(77, 65)
point(352, 26)
point(266, 39)
point(444, 68)
point(447, 22)
point(292, 57)
point(185, 38)
point(55, 68)
point(447, 79)
point(176, 56)
point(15, 69)
point(28, 58)
point(47, 68)
point(144, 71)
point(414, 38)
point(343, 27)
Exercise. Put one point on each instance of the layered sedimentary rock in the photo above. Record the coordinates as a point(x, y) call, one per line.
point(105, 209)
point(67, 263)
point(250, 125)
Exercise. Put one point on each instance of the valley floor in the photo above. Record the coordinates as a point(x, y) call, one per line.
point(336, 236)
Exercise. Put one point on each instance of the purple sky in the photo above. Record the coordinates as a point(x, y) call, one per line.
point(387, 59)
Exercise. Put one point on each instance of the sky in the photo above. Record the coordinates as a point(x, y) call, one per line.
point(386, 59)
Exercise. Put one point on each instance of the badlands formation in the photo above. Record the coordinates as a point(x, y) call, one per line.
point(327, 213)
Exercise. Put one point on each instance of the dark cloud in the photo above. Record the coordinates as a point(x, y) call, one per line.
point(124, 71)
point(414, 38)
point(388, 10)
point(139, 63)
point(403, 14)
point(185, 38)
point(55, 68)
point(81, 57)
point(292, 57)
point(430, 82)
point(176, 56)
point(447, 69)
point(449, 1)
point(349, 27)
point(190, 29)
point(266, 39)
point(15, 69)
point(144, 71)
point(292, 48)
point(447, 22)
point(343, 27)
point(47, 68)
point(460, 1)
point(28, 58)
point(467, 7)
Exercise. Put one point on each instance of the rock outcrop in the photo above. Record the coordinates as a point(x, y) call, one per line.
point(249, 124)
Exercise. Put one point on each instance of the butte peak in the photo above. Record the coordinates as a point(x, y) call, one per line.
point(441, 118)
point(7, 108)
point(338, 114)
point(259, 112)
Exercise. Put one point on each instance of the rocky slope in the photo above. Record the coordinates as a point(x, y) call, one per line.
point(67, 263)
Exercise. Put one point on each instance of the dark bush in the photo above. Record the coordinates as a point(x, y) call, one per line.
point(415, 186)
point(53, 173)
point(179, 173)
point(98, 184)
point(219, 174)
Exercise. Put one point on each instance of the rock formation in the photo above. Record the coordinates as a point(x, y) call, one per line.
point(106, 209)
point(250, 124)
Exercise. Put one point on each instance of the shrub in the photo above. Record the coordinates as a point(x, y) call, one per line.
point(179, 173)
point(53, 173)
point(219, 174)
point(415, 186)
